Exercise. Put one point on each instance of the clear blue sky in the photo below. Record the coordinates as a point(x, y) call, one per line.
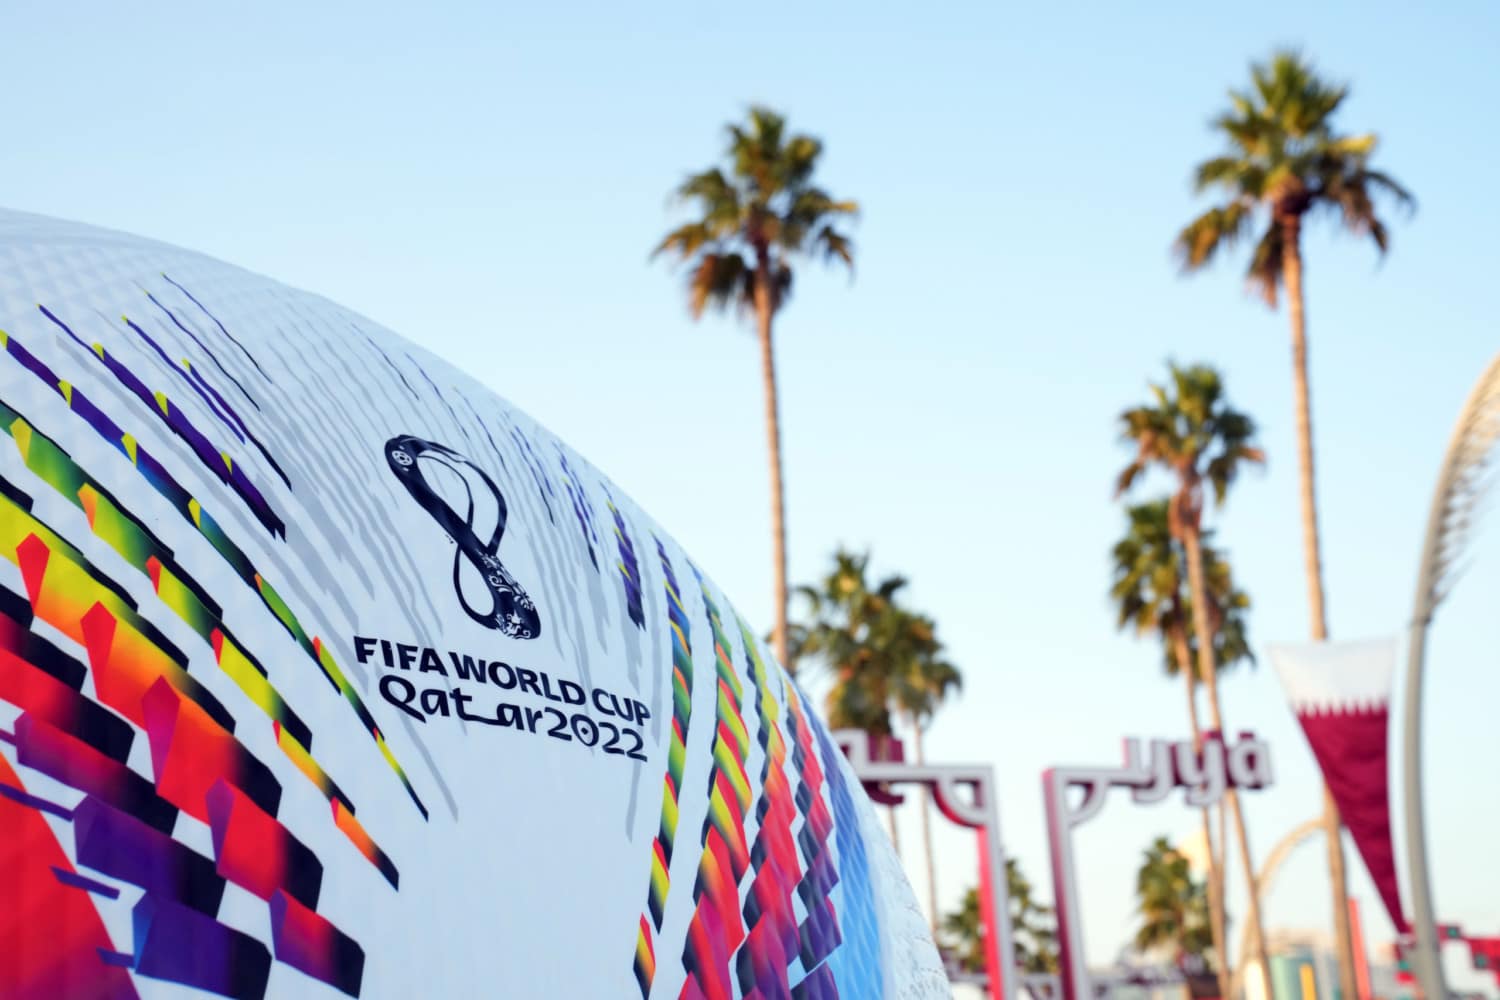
point(489, 183)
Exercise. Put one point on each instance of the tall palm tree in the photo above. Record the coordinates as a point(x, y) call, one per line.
point(1284, 163)
point(1173, 905)
point(751, 222)
point(1150, 593)
point(1191, 432)
point(1032, 924)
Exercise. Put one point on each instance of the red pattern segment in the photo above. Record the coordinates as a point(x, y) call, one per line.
point(190, 754)
point(819, 932)
point(308, 942)
point(51, 937)
point(762, 964)
point(254, 851)
point(44, 697)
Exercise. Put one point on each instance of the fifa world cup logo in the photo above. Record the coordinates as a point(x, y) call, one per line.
point(508, 609)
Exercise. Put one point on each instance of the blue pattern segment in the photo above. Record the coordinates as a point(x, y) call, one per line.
point(856, 962)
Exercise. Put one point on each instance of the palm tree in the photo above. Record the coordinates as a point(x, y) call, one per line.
point(850, 628)
point(1149, 590)
point(1033, 927)
point(751, 222)
point(1284, 162)
point(883, 657)
point(1191, 432)
point(853, 630)
point(1173, 905)
point(962, 933)
point(919, 690)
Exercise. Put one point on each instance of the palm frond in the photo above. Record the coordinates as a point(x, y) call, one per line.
point(1263, 276)
point(755, 215)
point(719, 280)
point(1389, 185)
point(835, 245)
point(1283, 152)
point(684, 241)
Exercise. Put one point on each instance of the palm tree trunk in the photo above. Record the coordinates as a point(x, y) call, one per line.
point(1313, 561)
point(1217, 920)
point(764, 307)
point(1222, 817)
point(932, 906)
point(1207, 668)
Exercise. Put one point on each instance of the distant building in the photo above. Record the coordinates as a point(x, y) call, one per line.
point(1305, 967)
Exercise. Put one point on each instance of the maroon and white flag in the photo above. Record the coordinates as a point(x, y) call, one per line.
point(1341, 693)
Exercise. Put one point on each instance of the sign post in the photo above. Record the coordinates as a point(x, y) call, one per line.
point(1151, 775)
point(977, 810)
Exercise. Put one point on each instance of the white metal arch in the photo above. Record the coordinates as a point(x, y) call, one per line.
point(1461, 482)
point(1268, 869)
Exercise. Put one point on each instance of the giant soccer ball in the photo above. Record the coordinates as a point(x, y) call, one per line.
point(323, 670)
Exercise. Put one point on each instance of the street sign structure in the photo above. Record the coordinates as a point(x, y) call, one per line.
point(1152, 772)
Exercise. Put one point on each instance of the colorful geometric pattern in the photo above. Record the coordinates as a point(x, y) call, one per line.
point(772, 943)
point(214, 459)
point(168, 768)
point(141, 549)
point(581, 509)
point(716, 930)
point(818, 934)
point(122, 826)
point(666, 836)
point(217, 364)
point(855, 964)
point(629, 567)
point(54, 941)
point(133, 542)
point(238, 426)
point(227, 335)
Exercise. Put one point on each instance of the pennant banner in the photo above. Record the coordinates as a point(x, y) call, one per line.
point(1340, 693)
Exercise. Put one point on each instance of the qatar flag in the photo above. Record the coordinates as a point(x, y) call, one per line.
point(1341, 695)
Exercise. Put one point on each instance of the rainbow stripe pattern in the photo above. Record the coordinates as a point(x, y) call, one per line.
point(818, 934)
point(772, 942)
point(122, 825)
point(716, 929)
point(629, 567)
point(62, 470)
point(666, 836)
point(216, 461)
point(183, 596)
